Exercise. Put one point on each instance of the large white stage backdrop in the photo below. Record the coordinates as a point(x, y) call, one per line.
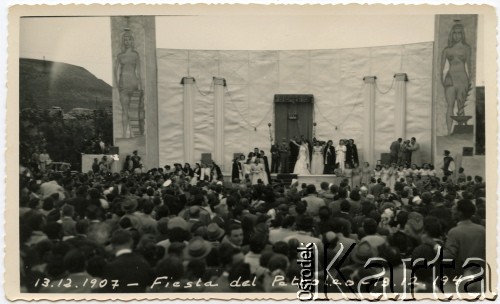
point(334, 77)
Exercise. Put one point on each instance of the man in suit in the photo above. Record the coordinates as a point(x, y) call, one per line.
point(354, 153)
point(467, 239)
point(284, 155)
point(395, 147)
point(266, 165)
point(131, 270)
point(329, 157)
point(275, 158)
point(294, 153)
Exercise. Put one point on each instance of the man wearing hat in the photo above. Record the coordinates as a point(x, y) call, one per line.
point(215, 234)
point(129, 206)
point(448, 164)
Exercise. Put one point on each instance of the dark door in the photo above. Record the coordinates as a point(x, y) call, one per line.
point(293, 116)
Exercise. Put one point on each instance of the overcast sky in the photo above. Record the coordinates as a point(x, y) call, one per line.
point(85, 41)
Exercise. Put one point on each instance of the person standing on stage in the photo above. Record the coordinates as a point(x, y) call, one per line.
point(275, 158)
point(395, 150)
point(448, 164)
point(406, 152)
point(415, 152)
point(353, 157)
point(236, 170)
point(284, 152)
point(136, 160)
point(329, 158)
point(341, 155)
point(317, 162)
point(294, 153)
point(265, 163)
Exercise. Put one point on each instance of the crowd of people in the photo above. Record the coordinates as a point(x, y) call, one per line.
point(168, 230)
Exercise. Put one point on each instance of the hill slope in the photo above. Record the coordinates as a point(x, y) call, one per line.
point(48, 84)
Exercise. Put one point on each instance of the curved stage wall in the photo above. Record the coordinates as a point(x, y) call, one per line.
point(334, 77)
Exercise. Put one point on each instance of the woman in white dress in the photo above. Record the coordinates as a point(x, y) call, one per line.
point(302, 164)
point(317, 162)
point(242, 166)
point(247, 169)
point(255, 172)
point(340, 152)
point(262, 175)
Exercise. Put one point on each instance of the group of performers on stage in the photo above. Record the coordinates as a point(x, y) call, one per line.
point(300, 156)
point(254, 168)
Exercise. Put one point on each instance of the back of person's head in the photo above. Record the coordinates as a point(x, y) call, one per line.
point(240, 271)
point(334, 189)
point(288, 221)
point(257, 243)
point(172, 267)
point(355, 195)
point(68, 210)
point(375, 215)
point(81, 226)
point(345, 206)
point(121, 238)
point(48, 204)
point(324, 186)
point(392, 255)
point(300, 207)
point(196, 268)
point(305, 222)
point(176, 249)
point(370, 226)
point(147, 206)
point(466, 208)
point(75, 261)
point(278, 261)
point(324, 213)
point(433, 227)
point(340, 225)
point(53, 230)
point(178, 234)
point(342, 193)
point(311, 189)
point(226, 252)
point(280, 247)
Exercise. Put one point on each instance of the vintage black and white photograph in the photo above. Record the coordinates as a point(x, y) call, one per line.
point(312, 152)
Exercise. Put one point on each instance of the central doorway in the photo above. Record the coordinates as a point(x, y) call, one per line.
point(293, 116)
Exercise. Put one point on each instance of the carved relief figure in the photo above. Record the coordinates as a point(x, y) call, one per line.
point(128, 78)
point(456, 81)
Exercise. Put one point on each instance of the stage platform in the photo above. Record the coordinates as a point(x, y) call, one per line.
point(308, 179)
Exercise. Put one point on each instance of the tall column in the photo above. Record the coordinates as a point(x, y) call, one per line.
point(369, 120)
point(219, 84)
point(135, 100)
point(188, 102)
point(400, 105)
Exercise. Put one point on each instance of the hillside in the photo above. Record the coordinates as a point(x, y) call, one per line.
point(48, 84)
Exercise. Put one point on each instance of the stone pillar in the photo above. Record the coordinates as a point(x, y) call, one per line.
point(369, 121)
point(400, 106)
point(188, 102)
point(135, 87)
point(219, 84)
